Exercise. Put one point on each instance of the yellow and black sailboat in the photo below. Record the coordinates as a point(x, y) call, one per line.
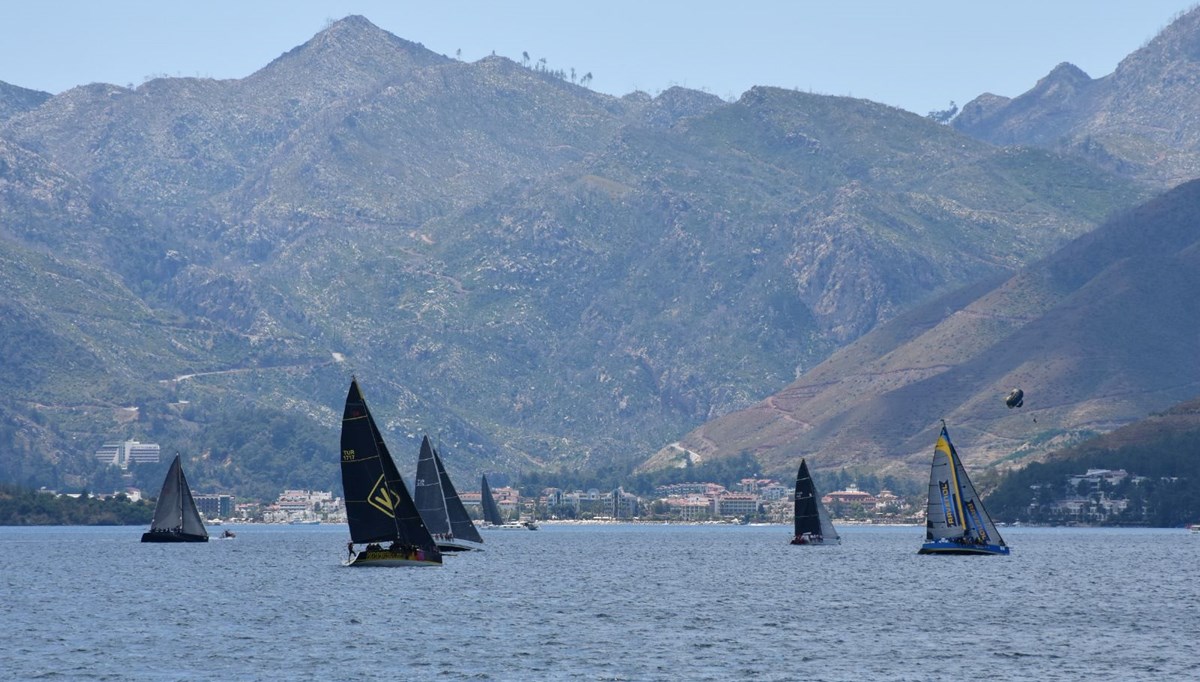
point(379, 509)
point(955, 520)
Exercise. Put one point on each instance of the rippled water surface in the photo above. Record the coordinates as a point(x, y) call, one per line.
point(619, 602)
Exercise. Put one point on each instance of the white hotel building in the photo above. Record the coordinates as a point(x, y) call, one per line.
point(121, 454)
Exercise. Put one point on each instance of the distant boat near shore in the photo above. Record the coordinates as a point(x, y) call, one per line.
point(811, 525)
point(176, 518)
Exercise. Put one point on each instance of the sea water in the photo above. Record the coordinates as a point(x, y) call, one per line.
point(601, 602)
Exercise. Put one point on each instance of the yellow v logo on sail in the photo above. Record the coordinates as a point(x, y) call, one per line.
point(382, 499)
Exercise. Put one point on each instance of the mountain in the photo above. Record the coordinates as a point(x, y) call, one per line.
point(542, 275)
point(15, 100)
point(1098, 334)
point(1136, 121)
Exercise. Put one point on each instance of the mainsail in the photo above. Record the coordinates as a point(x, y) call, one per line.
point(955, 512)
point(427, 492)
point(461, 525)
point(378, 506)
point(812, 519)
point(491, 512)
point(176, 518)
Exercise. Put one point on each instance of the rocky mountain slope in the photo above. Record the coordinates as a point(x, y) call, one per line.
point(542, 275)
point(1098, 334)
point(1138, 121)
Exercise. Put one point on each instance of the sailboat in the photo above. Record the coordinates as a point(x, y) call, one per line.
point(176, 518)
point(813, 526)
point(955, 520)
point(378, 507)
point(441, 509)
point(491, 513)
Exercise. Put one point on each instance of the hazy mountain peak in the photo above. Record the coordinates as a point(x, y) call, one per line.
point(349, 49)
point(15, 100)
point(1135, 121)
point(677, 103)
point(354, 32)
point(1178, 42)
point(1065, 73)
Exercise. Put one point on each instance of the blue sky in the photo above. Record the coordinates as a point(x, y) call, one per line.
point(917, 55)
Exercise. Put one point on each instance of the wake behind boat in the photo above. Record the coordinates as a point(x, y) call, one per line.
point(176, 518)
point(812, 524)
point(955, 520)
point(379, 509)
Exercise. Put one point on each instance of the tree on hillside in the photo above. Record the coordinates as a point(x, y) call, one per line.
point(944, 115)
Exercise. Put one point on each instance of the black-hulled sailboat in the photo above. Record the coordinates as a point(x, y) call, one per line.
point(955, 520)
point(176, 518)
point(379, 510)
point(441, 509)
point(812, 525)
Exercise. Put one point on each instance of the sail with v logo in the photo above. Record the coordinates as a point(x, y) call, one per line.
point(382, 499)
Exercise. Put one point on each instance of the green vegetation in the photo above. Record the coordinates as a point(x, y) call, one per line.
point(25, 507)
point(1163, 487)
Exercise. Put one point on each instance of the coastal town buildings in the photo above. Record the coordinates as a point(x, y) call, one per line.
point(215, 506)
point(305, 506)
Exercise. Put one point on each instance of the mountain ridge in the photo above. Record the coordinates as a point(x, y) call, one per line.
point(547, 276)
point(1134, 121)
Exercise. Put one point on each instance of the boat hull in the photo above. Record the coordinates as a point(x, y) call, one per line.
point(458, 545)
point(387, 557)
point(172, 536)
point(955, 548)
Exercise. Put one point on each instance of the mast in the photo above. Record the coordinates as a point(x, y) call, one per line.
point(179, 487)
point(947, 447)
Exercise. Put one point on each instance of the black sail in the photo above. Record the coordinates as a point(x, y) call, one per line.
point(428, 494)
point(175, 512)
point(491, 513)
point(811, 516)
point(460, 521)
point(378, 506)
